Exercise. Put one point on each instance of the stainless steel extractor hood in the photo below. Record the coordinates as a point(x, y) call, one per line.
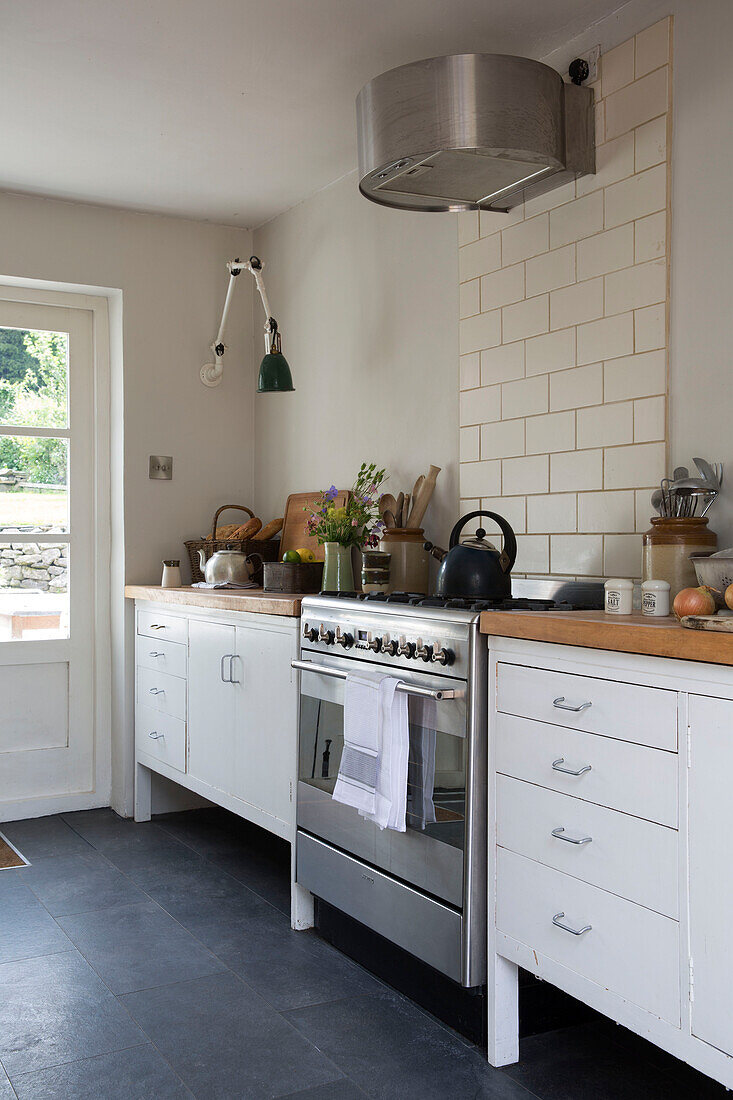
point(471, 131)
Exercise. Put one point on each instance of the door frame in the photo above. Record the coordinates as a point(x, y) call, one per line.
point(13, 290)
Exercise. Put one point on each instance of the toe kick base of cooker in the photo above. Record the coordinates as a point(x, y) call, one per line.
point(421, 925)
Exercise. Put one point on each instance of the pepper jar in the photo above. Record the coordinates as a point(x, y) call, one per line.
point(667, 547)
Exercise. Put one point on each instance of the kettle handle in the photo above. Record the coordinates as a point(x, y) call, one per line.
point(510, 542)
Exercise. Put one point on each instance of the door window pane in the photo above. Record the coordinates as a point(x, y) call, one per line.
point(33, 483)
point(34, 590)
point(34, 378)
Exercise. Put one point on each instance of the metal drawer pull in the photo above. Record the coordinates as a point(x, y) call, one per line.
point(155, 735)
point(157, 626)
point(560, 834)
point(562, 705)
point(407, 689)
point(557, 921)
point(154, 654)
point(232, 659)
point(156, 691)
point(569, 771)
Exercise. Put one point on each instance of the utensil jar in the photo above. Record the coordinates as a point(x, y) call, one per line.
point(667, 547)
point(409, 567)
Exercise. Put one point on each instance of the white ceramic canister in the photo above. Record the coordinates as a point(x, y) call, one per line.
point(619, 596)
point(171, 574)
point(655, 597)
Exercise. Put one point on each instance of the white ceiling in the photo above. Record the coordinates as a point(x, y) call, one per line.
point(225, 110)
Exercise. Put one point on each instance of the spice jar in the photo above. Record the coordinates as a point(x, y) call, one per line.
point(410, 562)
point(667, 547)
point(619, 596)
point(655, 598)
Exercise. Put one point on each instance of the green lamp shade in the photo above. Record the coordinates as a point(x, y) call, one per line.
point(274, 376)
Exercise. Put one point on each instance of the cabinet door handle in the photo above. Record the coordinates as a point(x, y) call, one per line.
point(156, 691)
point(562, 705)
point(559, 833)
point(157, 626)
point(154, 654)
point(557, 921)
point(557, 765)
point(155, 735)
point(232, 659)
point(221, 670)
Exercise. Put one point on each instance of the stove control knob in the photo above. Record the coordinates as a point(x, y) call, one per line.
point(375, 644)
point(390, 648)
point(443, 656)
point(310, 633)
point(424, 652)
point(345, 640)
point(406, 649)
point(325, 635)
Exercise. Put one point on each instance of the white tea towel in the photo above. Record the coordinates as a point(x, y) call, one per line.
point(394, 742)
point(421, 769)
point(357, 778)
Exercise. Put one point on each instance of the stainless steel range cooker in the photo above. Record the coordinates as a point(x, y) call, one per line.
point(424, 889)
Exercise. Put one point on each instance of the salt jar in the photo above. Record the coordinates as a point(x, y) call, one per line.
point(619, 596)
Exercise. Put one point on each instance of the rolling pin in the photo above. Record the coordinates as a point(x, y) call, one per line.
point(421, 501)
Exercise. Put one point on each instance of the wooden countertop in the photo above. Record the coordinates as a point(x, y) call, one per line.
point(634, 633)
point(254, 600)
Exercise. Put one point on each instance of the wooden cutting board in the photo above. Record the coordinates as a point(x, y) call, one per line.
point(722, 623)
point(297, 510)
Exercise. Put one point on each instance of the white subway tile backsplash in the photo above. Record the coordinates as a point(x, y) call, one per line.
point(525, 475)
point(577, 555)
point(480, 478)
point(533, 554)
point(606, 338)
point(650, 237)
point(644, 510)
point(617, 67)
point(551, 270)
point(479, 257)
point(634, 287)
point(614, 162)
point(607, 511)
point(625, 467)
point(551, 432)
point(554, 197)
point(650, 143)
point(480, 406)
point(502, 287)
point(650, 419)
point(575, 304)
point(468, 449)
point(622, 556)
point(491, 221)
point(606, 252)
point(467, 227)
point(527, 397)
point(481, 331)
point(525, 239)
point(636, 103)
point(470, 371)
point(552, 513)
point(632, 376)
point(576, 220)
point(650, 327)
point(502, 364)
point(606, 425)
point(575, 471)
point(555, 351)
point(652, 47)
point(469, 295)
point(513, 509)
point(502, 439)
point(637, 196)
point(527, 318)
point(577, 388)
point(469, 504)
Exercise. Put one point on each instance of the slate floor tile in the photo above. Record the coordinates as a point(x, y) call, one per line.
point(136, 1074)
point(129, 844)
point(55, 1009)
point(26, 928)
point(78, 883)
point(343, 1089)
point(210, 831)
point(6, 1091)
point(226, 1042)
point(268, 877)
point(395, 1052)
point(44, 836)
point(138, 946)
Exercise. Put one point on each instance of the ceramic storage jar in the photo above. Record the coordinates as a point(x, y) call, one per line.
point(667, 547)
point(409, 569)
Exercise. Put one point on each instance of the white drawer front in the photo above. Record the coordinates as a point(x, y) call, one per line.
point(161, 625)
point(154, 653)
point(633, 858)
point(626, 777)
point(161, 692)
point(628, 950)
point(629, 712)
point(161, 736)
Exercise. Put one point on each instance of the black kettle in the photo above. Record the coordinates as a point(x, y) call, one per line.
point(476, 569)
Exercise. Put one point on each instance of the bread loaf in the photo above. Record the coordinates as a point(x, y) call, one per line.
point(270, 529)
point(247, 530)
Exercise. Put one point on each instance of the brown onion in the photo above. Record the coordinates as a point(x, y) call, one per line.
point(694, 601)
point(729, 596)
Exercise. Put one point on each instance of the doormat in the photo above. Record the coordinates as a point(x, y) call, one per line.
point(10, 856)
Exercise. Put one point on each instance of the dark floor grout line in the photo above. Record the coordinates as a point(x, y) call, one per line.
point(12, 1087)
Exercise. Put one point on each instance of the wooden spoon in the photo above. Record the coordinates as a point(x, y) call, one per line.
point(388, 501)
point(415, 490)
point(388, 517)
point(398, 509)
point(405, 510)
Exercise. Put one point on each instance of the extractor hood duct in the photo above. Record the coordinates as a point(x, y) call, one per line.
point(471, 131)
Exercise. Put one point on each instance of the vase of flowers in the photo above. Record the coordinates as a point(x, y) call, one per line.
point(338, 529)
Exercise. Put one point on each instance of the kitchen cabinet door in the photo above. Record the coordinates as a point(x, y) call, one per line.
point(211, 702)
point(267, 719)
point(711, 881)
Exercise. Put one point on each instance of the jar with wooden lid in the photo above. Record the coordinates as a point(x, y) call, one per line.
point(667, 547)
point(409, 569)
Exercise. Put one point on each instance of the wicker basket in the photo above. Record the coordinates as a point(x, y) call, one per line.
point(284, 576)
point(268, 549)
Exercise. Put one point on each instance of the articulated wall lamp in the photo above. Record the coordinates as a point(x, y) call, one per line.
point(274, 376)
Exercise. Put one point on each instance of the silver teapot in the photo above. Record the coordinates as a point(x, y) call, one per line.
point(229, 566)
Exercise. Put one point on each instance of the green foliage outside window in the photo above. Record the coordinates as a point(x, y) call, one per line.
point(33, 393)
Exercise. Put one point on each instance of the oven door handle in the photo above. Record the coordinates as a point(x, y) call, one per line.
point(407, 689)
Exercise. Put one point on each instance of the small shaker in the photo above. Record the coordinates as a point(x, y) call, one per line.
point(619, 595)
point(655, 598)
point(171, 574)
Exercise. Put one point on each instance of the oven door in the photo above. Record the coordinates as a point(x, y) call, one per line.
point(430, 854)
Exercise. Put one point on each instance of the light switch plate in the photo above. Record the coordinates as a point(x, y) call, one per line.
point(161, 467)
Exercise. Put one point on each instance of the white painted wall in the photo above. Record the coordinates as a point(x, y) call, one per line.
point(368, 303)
